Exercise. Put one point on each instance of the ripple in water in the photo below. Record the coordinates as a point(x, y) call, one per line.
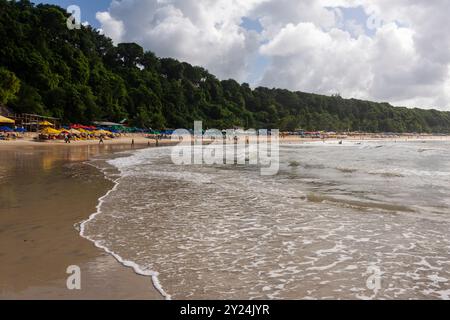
point(313, 231)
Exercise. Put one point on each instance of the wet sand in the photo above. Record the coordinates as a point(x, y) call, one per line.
point(44, 192)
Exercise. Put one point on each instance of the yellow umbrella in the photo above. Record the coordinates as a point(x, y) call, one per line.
point(46, 124)
point(104, 132)
point(50, 131)
point(6, 120)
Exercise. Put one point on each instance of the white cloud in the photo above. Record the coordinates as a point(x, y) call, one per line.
point(202, 32)
point(311, 44)
point(111, 27)
point(297, 51)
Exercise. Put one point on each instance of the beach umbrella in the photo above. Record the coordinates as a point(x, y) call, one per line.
point(46, 124)
point(80, 126)
point(50, 131)
point(81, 130)
point(74, 131)
point(6, 120)
point(71, 131)
point(102, 132)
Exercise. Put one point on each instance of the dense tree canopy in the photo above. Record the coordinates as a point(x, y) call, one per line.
point(9, 85)
point(80, 76)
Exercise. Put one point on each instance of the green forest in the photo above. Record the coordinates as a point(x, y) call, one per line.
point(80, 76)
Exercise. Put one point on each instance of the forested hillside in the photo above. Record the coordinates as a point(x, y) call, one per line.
point(80, 76)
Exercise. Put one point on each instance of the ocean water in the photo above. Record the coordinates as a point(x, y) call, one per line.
point(317, 230)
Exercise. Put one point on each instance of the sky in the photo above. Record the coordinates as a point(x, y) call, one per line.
point(395, 51)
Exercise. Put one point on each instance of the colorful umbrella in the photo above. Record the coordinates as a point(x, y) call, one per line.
point(6, 120)
point(50, 131)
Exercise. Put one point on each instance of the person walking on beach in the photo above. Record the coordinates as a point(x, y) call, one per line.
point(101, 140)
point(132, 142)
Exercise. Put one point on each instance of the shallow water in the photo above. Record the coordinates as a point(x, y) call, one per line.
point(316, 230)
point(44, 191)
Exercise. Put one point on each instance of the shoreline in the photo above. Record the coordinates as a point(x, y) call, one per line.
point(142, 141)
point(139, 141)
point(44, 194)
point(125, 263)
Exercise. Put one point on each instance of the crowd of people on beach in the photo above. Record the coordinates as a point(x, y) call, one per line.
point(11, 132)
point(74, 133)
point(9, 135)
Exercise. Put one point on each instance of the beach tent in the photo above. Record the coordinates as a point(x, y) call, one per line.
point(50, 131)
point(6, 120)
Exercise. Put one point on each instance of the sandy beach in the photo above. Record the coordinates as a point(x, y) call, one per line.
point(44, 192)
point(29, 139)
point(142, 140)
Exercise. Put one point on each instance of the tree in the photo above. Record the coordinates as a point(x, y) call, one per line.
point(130, 53)
point(81, 76)
point(28, 101)
point(9, 85)
point(150, 61)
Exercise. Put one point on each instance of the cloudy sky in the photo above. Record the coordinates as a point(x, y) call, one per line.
point(385, 50)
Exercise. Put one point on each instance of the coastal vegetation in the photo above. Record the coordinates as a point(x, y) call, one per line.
point(80, 76)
